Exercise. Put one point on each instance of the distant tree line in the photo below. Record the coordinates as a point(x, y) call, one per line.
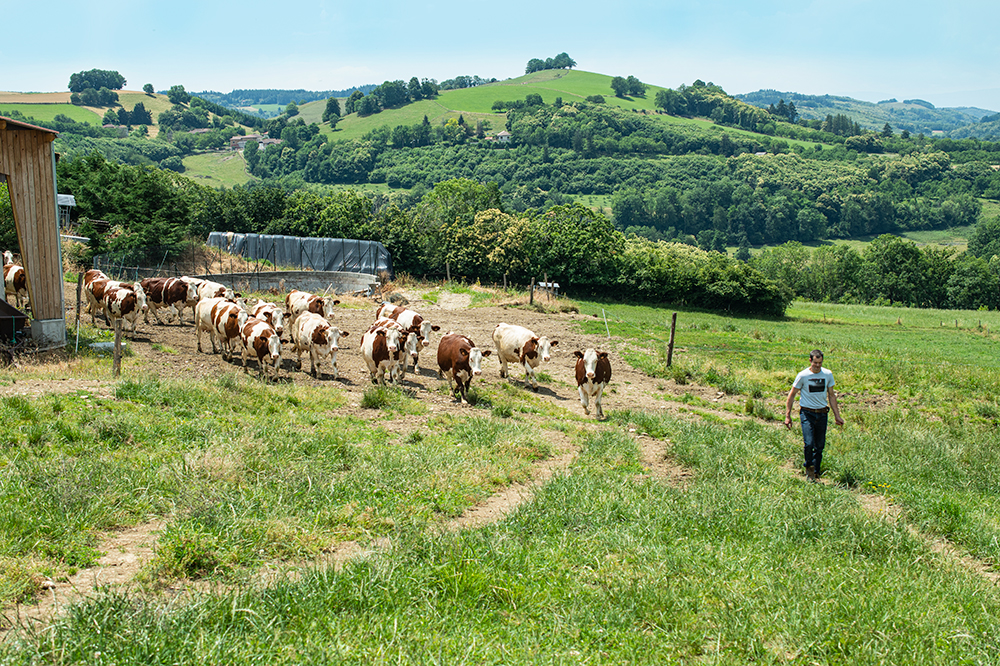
point(461, 223)
point(892, 271)
point(561, 61)
point(390, 94)
point(464, 82)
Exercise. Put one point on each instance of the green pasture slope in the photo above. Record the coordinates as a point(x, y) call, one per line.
point(217, 169)
point(45, 113)
point(719, 553)
point(477, 103)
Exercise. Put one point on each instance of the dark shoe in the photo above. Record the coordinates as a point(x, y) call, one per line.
point(811, 473)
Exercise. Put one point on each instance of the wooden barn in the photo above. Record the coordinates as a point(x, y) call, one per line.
point(28, 164)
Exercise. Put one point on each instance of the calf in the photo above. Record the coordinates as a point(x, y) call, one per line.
point(517, 344)
point(410, 320)
point(262, 341)
point(381, 347)
point(593, 372)
point(461, 359)
point(313, 333)
point(298, 302)
point(125, 302)
point(15, 282)
point(220, 318)
point(270, 313)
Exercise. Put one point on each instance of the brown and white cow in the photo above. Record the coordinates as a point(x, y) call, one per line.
point(95, 283)
point(593, 372)
point(272, 314)
point(298, 302)
point(127, 302)
point(170, 293)
point(209, 289)
point(410, 349)
point(410, 320)
point(517, 344)
point(382, 347)
point(313, 333)
point(263, 342)
point(221, 318)
point(15, 281)
point(459, 358)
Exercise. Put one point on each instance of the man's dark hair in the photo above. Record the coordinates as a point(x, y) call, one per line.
point(815, 353)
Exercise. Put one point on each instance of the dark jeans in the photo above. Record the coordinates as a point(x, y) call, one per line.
point(813, 437)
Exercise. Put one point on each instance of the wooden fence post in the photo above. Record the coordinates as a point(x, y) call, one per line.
point(531, 298)
point(670, 345)
point(117, 363)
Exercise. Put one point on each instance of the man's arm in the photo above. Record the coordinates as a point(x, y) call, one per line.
point(831, 397)
point(788, 406)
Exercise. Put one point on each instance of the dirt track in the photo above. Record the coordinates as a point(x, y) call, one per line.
point(170, 351)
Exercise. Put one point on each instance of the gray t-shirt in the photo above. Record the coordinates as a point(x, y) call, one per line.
point(813, 387)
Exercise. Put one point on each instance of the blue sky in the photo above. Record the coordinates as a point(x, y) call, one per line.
point(945, 53)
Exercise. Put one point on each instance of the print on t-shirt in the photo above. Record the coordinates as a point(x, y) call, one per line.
point(817, 385)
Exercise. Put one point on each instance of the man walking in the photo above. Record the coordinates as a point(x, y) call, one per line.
point(817, 399)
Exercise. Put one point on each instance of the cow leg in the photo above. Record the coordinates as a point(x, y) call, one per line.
point(529, 376)
point(312, 360)
point(585, 399)
point(503, 366)
point(597, 401)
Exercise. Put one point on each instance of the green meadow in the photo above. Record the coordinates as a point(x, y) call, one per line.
point(730, 558)
point(217, 168)
point(44, 113)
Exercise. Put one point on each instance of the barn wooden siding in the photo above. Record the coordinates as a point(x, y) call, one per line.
point(27, 159)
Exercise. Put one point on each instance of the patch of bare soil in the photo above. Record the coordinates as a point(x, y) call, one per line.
point(125, 553)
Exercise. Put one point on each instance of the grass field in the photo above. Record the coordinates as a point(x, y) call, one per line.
point(728, 557)
point(44, 113)
point(217, 169)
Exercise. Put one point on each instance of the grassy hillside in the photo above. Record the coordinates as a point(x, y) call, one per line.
point(217, 169)
point(477, 103)
point(437, 111)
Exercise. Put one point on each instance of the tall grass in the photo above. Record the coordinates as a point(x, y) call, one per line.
point(744, 564)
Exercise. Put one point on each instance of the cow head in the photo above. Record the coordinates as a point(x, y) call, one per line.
point(140, 298)
point(476, 356)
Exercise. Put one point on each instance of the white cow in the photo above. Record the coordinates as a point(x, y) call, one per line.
point(517, 344)
point(313, 333)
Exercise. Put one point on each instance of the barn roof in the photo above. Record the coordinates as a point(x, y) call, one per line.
point(10, 122)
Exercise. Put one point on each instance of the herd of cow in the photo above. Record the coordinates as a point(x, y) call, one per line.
point(390, 344)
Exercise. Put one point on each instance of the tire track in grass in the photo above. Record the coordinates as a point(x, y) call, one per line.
point(125, 553)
